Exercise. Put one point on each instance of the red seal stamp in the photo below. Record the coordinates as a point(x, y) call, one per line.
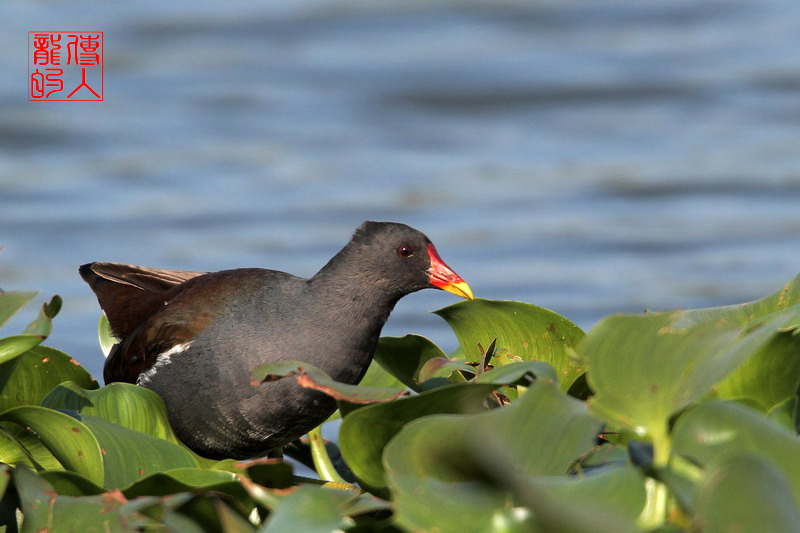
point(65, 66)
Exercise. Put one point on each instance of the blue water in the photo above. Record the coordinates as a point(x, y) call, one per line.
point(588, 157)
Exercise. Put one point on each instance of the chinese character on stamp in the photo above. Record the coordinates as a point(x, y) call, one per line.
point(65, 66)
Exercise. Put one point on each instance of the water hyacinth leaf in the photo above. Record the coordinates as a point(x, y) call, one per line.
point(366, 504)
point(129, 455)
point(201, 477)
point(377, 376)
point(68, 483)
point(44, 322)
point(185, 480)
point(768, 378)
point(440, 371)
point(544, 431)
point(229, 520)
point(311, 377)
point(20, 446)
point(28, 378)
point(163, 513)
point(773, 374)
point(269, 499)
point(529, 332)
point(788, 296)
point(617, 491)
point(716, 429)
point(513, 373)
point(45, 510)
point(12, 301)
point(609, 501)
point(267, 472)
point(311, 510)
point(124, 404)
point(490, 352)
point(8, 511)
point(382, 422)
point(644, 368)
point(68, 439)
point(787, 413)
point(105, 337)
point(404, 357)
point(746, 493)
point(5, 477)
point(35, 333)
point(205, 511)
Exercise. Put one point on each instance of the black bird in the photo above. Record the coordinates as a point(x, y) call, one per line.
point(194, 337)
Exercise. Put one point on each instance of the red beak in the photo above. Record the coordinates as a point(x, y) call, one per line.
point(443, 277)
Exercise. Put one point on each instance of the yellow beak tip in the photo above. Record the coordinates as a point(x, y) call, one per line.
point(460, 289)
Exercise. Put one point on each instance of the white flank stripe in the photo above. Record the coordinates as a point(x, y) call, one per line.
point(162, 359)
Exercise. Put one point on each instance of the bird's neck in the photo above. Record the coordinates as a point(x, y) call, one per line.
point(355, 312)
point(353, 298)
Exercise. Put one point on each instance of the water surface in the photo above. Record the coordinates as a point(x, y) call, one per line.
point(588, 157)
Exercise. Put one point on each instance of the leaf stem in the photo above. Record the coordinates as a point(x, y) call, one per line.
point(322, 461)
point(656, 510)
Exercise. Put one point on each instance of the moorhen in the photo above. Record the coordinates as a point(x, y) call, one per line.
point(194, 337)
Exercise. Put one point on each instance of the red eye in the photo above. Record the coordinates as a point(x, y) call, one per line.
point(405, 251)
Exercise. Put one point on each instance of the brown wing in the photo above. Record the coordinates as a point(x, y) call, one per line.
point(130, 294)
point(170, 329)
point(145, 278)
point(139, 351)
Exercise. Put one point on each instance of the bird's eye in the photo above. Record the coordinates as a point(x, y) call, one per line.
point(405, 251)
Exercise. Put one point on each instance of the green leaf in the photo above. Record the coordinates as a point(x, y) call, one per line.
point(186, 480)
point(201, 477)
point(717, 429)
point(364, 433)
point(788, 296)
point(124, 404)
point(129, 455)
point(68, 483)
point(210, 512)
point(104, 335)
point(20, 446)
point(165, 514)
point(5, 477)
point(787, 413)
point(35, 333)
point(26, 379)
point(229, 520)
point(311, 510)
point(68, 439)
point(512, 373)
point(544, 431)
point(404, 357)
point(645, 368)
point(768, 378)
point(45, 510)
point(44, 322)
point(268, 472)
point(617, 493)
point(377, 376)
point(311, 377)
point(440, 371)
point(523, 330)
point(746, 493)
point(12, 301)
point(773, 374)
point(608, 501)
